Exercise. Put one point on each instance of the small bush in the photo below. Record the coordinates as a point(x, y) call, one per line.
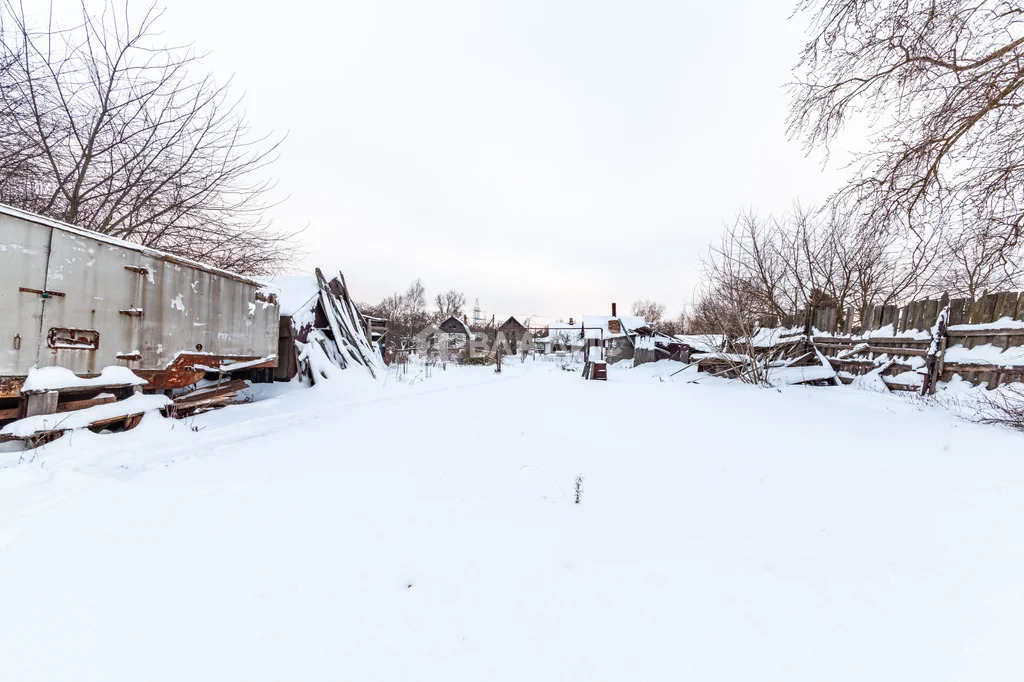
point(1004, 405)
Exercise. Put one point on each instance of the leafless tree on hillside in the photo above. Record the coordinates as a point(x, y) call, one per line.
point(107, 128)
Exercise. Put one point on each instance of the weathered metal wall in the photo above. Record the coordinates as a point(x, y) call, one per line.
point(85, 302)
point(23, 253)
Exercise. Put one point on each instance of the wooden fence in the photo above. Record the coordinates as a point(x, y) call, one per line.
point(901, 356)
point(919, 315)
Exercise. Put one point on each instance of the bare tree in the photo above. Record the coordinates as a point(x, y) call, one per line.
point(728, 306)
point(978, 259)
point(779, 267)
point(451, 303)
point(106, 128)
point(942, 85)
point(673, 325)
point(652, 311)
point(414, 305)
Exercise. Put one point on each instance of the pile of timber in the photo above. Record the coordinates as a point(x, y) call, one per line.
point(205, 398)
point(45, 415)
point(57, 411)
point(346, 337)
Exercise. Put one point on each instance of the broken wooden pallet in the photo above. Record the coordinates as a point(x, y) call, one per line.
point(205, 398)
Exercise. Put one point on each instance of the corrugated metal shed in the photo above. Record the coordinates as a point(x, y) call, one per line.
point(81, 300)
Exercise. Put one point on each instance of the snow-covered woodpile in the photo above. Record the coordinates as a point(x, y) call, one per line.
point(322, 329)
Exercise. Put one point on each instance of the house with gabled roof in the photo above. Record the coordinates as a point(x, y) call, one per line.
point(618, 334)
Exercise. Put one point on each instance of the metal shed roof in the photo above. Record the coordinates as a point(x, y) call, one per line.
point(163, 255)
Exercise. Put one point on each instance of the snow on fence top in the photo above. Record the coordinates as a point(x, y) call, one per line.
point(995, 311)
point(981, 341)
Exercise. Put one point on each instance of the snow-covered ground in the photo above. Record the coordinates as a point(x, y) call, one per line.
point(426, 530)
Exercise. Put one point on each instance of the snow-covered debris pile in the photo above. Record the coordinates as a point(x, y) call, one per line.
point(80, 419)
point(322, 312)
point(702, 343)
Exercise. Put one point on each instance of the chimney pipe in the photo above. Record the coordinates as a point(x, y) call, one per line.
point(613, 310)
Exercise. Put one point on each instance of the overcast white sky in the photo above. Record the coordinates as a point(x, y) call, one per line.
point(545, 156)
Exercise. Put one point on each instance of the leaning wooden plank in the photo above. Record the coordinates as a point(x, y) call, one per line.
point(344, 336)
point(358, 328)
point(130, 420)
point(982, 367)
point(229, 367)
point(893, 386)
point(899, 340)
point(73, 405)
point(899, 352)
point(207, 391)
point(180, 408)
point(66, 421)
point(968, 333)
point(332, 313)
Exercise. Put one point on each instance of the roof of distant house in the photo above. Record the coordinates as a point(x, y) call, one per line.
point(628, 325)
point(454, 325)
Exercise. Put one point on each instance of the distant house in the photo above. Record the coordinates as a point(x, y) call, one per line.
point(516, 335)
point(560, 336)
point(619, 334)
point(449, 340)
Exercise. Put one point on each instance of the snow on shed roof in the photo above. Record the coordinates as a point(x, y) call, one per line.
point(706, 343)
point(628, 323)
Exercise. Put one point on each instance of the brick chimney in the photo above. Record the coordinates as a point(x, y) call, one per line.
point(613, 310)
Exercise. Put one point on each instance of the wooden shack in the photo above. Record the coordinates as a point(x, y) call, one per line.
point(516, 335)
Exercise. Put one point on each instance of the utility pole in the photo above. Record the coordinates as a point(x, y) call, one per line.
point(497, 348)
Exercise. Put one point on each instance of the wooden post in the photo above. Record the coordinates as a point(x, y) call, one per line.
point(937, 350)
point(41, 403)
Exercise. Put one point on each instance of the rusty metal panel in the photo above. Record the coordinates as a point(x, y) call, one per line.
point(24, 248)
point(122, 305)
